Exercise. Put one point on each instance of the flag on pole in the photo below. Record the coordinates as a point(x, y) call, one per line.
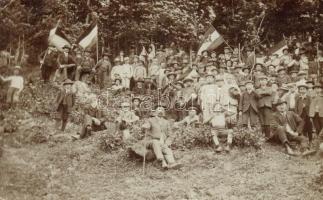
point(278, 48)
point(211, 40)
point(143, 55)
point(89, 37)
point(58, 38)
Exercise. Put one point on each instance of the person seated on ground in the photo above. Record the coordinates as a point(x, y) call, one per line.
point(15, 87)
point(158, 138)
point(220, 128)
point(135, 106)
point(93, 119)
point(150, 85)
point(287, 126)
point(81, 88)
point(191, 119)
point(125, 119)
point(117, 87)
point(139, 89)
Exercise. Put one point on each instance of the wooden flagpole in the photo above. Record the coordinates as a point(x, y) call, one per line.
point(318, 62)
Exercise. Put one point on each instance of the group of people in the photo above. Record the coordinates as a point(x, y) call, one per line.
point(223, 90)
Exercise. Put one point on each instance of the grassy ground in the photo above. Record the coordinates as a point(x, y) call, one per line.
point(63, 169)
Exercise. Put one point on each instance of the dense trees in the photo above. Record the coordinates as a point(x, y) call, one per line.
point(135, 22)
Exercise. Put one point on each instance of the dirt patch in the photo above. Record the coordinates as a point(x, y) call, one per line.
point(79, 170)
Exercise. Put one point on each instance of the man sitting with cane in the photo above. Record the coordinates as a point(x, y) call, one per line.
point(158, 138)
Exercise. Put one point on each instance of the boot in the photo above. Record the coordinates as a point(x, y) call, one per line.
point(228, 148)
point(289, 150)
point(64, 123)
point(218, 149)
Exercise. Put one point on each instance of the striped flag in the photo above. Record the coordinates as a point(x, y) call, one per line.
point(211, 40)
point(143, 55)
point(58, 38)
point(278, 48)
point(89, 37)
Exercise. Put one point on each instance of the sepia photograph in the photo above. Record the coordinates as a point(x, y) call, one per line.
point(161, 99)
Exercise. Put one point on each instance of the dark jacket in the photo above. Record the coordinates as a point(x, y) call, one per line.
point(64, 98)
point(247, 100)
point(50, 60)
point(264, 97)
point(302, 105)
point(293, 120)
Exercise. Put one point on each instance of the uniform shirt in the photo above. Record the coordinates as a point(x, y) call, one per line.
point(15, 81)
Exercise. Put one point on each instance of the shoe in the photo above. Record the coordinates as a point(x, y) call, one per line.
point(175, 166)
point(164, 164)
point(228, 148)
point(219, 149)
point(290, 151)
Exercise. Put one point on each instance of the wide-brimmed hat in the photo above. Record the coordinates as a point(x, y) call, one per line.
point(302, 85)
point(247, 82)
point(188, 80)
point(17, 67)
point(318, 85)
point(280, 102)
point(140, 80)
point(68, 82)
point(134, 98)
point(179, 83)
point(117, 79)
point(262, 77)
point(281, 69)
point(300, 73)
point(66, 47)
point(171, 74)
point(284, 88)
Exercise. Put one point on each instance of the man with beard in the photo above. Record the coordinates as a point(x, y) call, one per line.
point(287, 126)
point(159, 138)
point(48, 61)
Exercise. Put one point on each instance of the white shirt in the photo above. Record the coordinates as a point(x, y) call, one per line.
point(15, 81)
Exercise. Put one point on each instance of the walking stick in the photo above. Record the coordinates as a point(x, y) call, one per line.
point(41, 64)
point(145, 152)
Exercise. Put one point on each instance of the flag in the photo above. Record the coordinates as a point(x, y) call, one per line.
point(58, 38)
point(211, 40)
point(143, 55)
point(278, 48)
point(89, 37)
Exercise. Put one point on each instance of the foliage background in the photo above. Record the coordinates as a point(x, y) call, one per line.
point(126, 23)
